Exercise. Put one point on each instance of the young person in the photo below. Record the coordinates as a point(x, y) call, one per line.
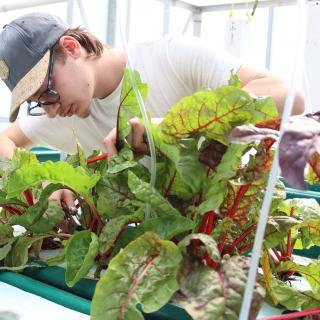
point(72, 81)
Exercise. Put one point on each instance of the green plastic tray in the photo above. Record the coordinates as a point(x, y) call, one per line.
point(49, 283)
point(46, 291)
point(294, 193)
point(45, 154)
point(84, 290)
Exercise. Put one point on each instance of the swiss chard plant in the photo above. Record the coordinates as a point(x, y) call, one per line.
point(187, 239)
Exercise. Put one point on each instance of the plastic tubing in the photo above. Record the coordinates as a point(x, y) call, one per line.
point(297, 71)
point(153, 170)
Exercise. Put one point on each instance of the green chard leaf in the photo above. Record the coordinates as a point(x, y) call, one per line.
point(168, 226)
point(187, 164)
point(245, 192)
point(310, 230)
point(44, 215)
point(171, 183)
point(61, 256)
point(201, 240)
point(214, 114)
point(21, 157)
point(122, 161)
point(301, 208)
point(6, 233)
point(267, 274)
point(4, 250)
point(279, 195)
point(277, 230)
point(81, 156)
point(129, 106)
point(11, 201)
point(18, 255)
point(184, 159)
point(144, 272)
point(41, 217)
point(114, 197)
point(215, 188)
point(307, 211)
point(28, 176)
point(80, 256)
point(145, 193)
point(36, 248)
point(113, 228)
point(223, 297)
point(22, 267)
point(311, 272)
point(313, 173)
point(201, 300)
point(235, 272)
point(234, 80)
point(165, 227)
point(293, 299)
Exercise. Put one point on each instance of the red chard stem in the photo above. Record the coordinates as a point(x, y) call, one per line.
point(170, 184)
point(29, 198)
point(275, 251)
point(245, 248)
point(11, 210)
point(210, 223)
point(204, 223)
point(295, 315)
point(240, 238)
point(98, 158)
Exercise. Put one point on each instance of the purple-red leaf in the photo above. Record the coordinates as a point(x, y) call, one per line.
point(300, 140)
point(212, 154)
point(250, 133)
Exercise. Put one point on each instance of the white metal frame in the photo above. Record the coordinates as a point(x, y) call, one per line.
point(216, 5)
point(197, 10)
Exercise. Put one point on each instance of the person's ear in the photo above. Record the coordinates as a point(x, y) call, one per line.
point(71, 46)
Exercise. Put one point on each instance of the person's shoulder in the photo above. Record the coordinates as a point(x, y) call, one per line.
point(181, 38)
point(188, 44)
point(171, 47)
point(169, 40)
point(152, 48)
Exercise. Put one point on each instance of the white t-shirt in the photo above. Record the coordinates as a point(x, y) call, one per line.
point(172, 67)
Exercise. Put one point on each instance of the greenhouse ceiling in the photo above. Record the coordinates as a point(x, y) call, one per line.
point(205, 5)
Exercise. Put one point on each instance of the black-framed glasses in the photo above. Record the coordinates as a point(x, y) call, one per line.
point(46, 98)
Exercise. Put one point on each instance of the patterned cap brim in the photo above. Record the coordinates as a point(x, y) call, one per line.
point(29, 85)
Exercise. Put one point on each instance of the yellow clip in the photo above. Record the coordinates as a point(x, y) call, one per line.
point(231, 11)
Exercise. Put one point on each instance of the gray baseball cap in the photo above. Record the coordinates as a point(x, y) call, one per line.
point(25, 45)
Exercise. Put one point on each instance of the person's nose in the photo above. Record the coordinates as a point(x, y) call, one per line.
point(52, 109)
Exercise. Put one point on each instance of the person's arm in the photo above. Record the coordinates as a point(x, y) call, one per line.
point(11, 138)
point(263, 83)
